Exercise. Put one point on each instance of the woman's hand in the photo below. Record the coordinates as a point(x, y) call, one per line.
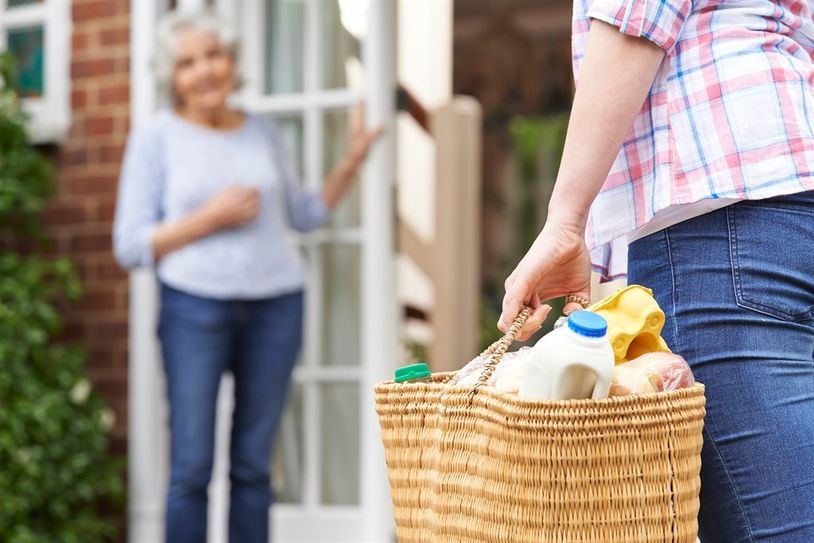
point(233, 206)
point(360, 139)
point(557, 264)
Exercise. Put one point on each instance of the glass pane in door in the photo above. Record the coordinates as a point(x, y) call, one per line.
point(340, 444)
point(343, 22)
point(289, 451)
point(341, 318)
point(284, 46)
point(348, 213)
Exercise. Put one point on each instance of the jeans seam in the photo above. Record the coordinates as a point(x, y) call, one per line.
point(733, 253)
point(746, 521)
point(678, 349)
point(731, 230)
point(677, 344)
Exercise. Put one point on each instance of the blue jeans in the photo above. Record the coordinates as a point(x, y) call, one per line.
point(737, 286)
point(201, 338)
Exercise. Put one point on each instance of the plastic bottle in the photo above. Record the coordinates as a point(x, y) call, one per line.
point(571, 362)
point(414, 373)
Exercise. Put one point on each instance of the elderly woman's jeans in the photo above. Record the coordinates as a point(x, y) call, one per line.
point(737, 286)
point(202, 338)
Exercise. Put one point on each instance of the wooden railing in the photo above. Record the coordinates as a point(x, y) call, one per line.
point(451, 260)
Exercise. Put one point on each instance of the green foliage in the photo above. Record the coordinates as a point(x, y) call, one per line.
point(537, 144)
point(26, 179)
point(54, 430)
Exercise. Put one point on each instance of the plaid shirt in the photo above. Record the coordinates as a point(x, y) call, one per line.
point(729, 114)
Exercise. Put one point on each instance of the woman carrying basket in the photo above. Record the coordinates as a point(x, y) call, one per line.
point(689, 165)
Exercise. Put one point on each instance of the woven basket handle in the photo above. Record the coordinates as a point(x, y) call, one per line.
point(497, 349)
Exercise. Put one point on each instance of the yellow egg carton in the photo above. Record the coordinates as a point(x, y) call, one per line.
point(635, 321)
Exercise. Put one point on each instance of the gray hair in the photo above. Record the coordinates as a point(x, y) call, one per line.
point(170, 25)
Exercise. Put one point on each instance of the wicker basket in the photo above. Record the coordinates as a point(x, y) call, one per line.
point(478, 465)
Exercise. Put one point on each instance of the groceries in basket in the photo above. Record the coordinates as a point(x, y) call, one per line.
point(571, 362)
point(612, 348)
point(476, 461)
point(414, 373)
point(651, 372)
point(506, 377)
point(634, 320)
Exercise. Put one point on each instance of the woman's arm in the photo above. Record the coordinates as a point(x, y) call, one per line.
point(616, 76)
point(232, 207)
point(340, 179)
point(617, 73)
point(139, 236)
point(138, 204)
point(308, 210)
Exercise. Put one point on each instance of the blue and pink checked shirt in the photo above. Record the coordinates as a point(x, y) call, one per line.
point(729, 115)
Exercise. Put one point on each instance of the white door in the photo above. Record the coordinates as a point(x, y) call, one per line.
point(306, 63)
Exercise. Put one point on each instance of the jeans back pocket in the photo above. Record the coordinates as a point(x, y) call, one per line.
point(772, 258)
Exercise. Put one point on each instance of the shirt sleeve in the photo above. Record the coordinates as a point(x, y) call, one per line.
point(138, 205)
point(659, 21)
point(306, 210)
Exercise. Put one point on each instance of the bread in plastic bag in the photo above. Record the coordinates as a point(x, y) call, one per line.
point(505, 378)
point(651, 372)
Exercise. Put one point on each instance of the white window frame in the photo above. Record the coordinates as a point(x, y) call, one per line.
point(50, 114)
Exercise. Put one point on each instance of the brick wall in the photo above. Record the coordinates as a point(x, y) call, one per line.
point(81, 217)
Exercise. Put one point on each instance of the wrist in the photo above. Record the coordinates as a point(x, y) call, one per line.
point(569, 205)
point(206, 222)
point(562, 216)
point(351, 161)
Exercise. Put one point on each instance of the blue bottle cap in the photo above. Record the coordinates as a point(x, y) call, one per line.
point(588, 324)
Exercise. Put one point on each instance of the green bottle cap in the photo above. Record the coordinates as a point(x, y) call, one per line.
point(411, 372)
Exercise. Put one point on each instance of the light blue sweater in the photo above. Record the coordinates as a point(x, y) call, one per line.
point(171, 167)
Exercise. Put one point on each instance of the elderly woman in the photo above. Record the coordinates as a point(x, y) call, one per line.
point(207, 195)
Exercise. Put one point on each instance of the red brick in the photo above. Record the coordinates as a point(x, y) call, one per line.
point(92, 67)
point(112, 329)
point(98, 126)
point(118, 94)
point(74, 156)
point(90, 184)
point(80, 41)
point(115, 36)
point(103, 299)
point(62, 213)
point(118, 447)
point(111, 153)
point(105, 211)
point(123, 63)
point(88, 10)
point(109, 270)
point(79, 99)
point(88, 243)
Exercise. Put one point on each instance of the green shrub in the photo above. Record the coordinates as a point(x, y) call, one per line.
point(55, 470)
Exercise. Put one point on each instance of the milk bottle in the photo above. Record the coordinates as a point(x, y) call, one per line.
point(573, 361)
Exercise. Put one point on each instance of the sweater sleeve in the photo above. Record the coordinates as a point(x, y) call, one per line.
point(138, 205)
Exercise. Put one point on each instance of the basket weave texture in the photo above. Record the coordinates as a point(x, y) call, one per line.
point(478, 465)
